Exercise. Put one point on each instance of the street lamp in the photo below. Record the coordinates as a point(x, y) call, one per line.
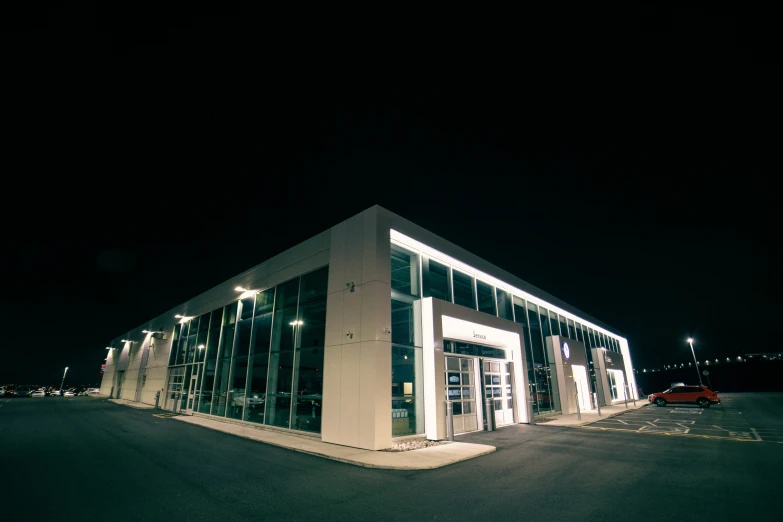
point(63, 381)
point(690, 341)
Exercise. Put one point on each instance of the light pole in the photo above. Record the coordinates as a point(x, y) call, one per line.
point(63, 381)
point(690, 341)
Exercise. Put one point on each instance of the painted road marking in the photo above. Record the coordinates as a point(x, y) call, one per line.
point(756, 434)
point(666, 433)
point(682, 410)
point(741, 435)
point(666, 430)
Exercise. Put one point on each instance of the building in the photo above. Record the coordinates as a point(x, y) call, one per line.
point(361, 334)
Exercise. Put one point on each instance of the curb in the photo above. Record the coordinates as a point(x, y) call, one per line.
point(345, 460)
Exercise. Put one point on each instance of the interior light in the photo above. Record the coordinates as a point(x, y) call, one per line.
point(240, 289)
point(296, 323)
point(200, 346)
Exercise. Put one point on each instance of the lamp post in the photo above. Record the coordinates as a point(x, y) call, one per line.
point(690, 341)
point(63, 381)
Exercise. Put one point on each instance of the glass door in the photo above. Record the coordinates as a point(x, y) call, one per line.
point(498, 386)
point(192, 390)
point(461, 390)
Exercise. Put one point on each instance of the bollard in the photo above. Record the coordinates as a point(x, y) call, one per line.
point(632, 396)
point(576, 395)
point(489, 408)
point(449, 420)
point(157, 398)
point(597, 405)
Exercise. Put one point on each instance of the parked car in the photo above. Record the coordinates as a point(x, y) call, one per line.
point(54, 393)
point(68, 393)
point(2, 391)
point(38, 393)
point(687, 394)
point(93, 391)
point(21, 392)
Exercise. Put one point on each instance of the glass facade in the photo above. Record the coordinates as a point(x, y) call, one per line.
point(261, 357)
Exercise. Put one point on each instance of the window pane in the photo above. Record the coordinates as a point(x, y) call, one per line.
point(246, 308)
point(174, 345)
point(578, 328)
point(404, 271)
point(264, 302)
point(402, 323)
point(313, 285)
point(279, 388)
point(437, 282)
point(309, 388)
point(407, 409)
point(287, 294)
point(504, 305)
point(235, 396)
point(571, 330)
point(563, 327)
point(463, 290)
point(486, 297)
point(554, 324)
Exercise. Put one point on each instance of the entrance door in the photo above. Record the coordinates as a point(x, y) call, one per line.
point(192, 389)
point(461, 390)
point(497, 386)
point(582, 387)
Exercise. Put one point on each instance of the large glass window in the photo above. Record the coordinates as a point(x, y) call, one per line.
point(404, 271)
point(174, 345)
point(546, 324)
point(309, 358)
point(554, 324)
point(183, 343)
point(223, 369)
point(591, 335)
point(285, 331)
point(407, 385)
point(486, 297)
point(540, 384)
point(504, 305)
point(210, 361)
point(235, 396)
point(436, 279)
point(475, 350)
point(255, 400)
point(402, 322)
point(520, 315)
point(578, 328)
point(464, 294)
point(571, 330)
point(563, 327)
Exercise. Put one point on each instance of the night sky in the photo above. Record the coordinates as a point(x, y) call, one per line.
point(621, 161)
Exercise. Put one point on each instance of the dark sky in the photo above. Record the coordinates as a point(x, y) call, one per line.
point(620, 160)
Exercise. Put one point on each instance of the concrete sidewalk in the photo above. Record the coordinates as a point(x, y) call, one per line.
point(133, 404)
point(592, 416)
point(426, 458)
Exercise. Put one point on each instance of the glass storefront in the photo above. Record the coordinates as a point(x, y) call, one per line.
point(262, 356)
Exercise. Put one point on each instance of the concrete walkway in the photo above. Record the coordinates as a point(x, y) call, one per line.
point(132, 404)
point(426, 458)
point(592, 416)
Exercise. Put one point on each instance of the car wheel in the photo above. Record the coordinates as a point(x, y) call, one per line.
point(660, 402)
point(703, 403)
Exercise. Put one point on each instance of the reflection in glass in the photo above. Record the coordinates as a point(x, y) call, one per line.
point(402, 322)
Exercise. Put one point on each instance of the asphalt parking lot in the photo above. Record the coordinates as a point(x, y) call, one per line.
point(84, 459)
point(752, 417)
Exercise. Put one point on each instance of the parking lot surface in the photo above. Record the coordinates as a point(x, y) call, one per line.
point(743, 417)
point(85, 459)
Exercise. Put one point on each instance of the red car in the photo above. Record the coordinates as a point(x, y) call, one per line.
point(700, 395)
